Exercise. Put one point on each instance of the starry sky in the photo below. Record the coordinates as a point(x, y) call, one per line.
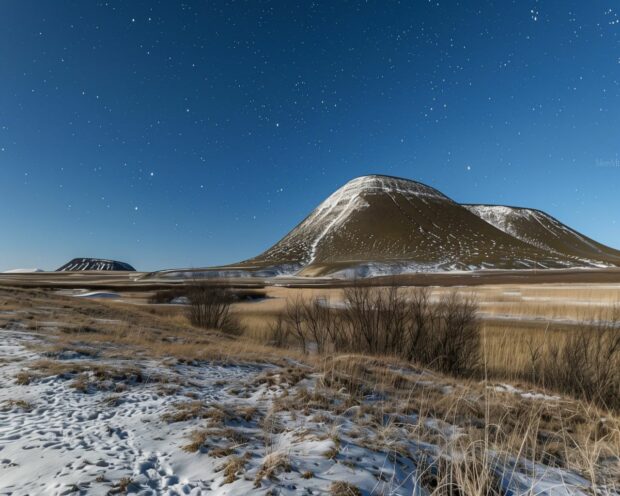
point(184, 134)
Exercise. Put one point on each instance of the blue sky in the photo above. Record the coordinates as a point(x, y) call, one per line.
point(169, 134)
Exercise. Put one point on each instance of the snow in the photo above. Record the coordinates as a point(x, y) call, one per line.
point(73, 441)
point(507, 388)
point(22, 271)
point(279, 270)
point(98, 294)
point(540, 319)
point(76, 437)
point(377, 269)
point(83, 442)
point(499, 216)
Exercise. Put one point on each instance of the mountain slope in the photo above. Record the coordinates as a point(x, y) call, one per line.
point(81, 264)
point(382, 220)
point(544, 231)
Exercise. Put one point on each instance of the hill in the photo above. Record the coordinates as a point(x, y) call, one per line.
point(380, 224)
point(96, 264)
point(546, 232)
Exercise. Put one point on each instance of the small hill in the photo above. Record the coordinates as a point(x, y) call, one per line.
point(96, 264)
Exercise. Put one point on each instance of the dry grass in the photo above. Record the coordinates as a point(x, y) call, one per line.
point(509, 350)
point(86, 375)
point(569, 434)
point(391, 399)
point(214, 439)
point(198, 439)
point(340, 488)
point(24, 405)
point(233, 469)
point(273, 464)
point(188, 410)
point(115, 330)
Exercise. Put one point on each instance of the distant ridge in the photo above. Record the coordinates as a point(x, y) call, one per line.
point(96, 264)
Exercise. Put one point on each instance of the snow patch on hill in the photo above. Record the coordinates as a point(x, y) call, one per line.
point(499, 216)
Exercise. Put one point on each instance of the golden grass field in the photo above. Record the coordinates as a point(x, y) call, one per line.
point(515, 318)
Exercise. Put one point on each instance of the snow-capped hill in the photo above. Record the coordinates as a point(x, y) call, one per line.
point(350, 199)
point(544, 231)
point(312, 240)
point(98, 264)
point(396, 222)
point(379, 225)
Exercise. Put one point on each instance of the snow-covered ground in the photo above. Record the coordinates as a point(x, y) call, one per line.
point(257, 431)
point(22, 271)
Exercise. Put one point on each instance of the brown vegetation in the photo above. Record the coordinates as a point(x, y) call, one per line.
point(405, 323)
point(400, 332)
point(273, 464)
point(340, 488)
point(209, 308)
point(582, 361)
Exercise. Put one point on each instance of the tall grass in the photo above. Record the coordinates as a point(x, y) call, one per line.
point(582, 361)
point(501, 434)
point(444, 334)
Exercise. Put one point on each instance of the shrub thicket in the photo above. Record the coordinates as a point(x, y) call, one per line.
point(210, 308)
point(443, 335)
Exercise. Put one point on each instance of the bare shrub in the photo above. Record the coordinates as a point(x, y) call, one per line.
point(362, 315)
point(455, 340)
point(420, 327)
point(278, 332)
point(311, 321)
point(444, 336)
point(294, 321)
point(210, 308)
point(587, 363)
point(388, 321)
point(377, 318)
point(322, 323)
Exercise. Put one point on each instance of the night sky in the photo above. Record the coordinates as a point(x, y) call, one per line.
point(182, 134)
